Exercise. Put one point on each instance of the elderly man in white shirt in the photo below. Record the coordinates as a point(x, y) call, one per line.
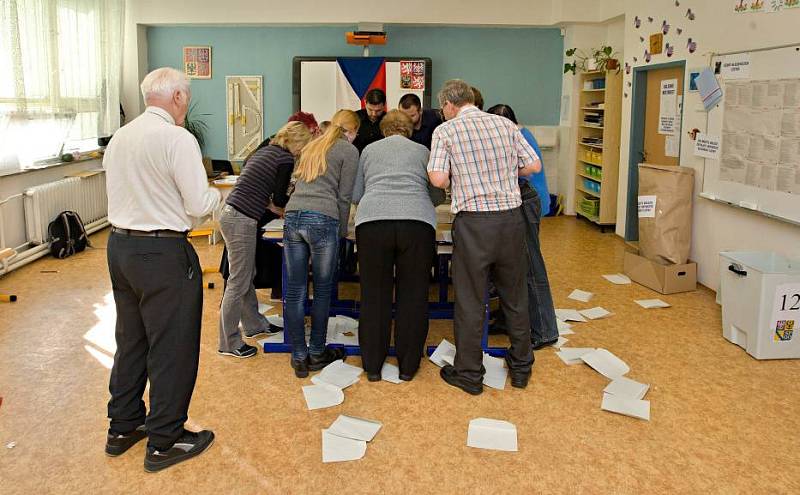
point(157, 191)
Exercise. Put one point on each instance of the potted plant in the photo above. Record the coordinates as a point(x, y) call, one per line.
point(603, 58)
point(196, 126)
point(578, 62)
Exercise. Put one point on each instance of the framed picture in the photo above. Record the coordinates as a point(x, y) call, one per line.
point(197, 62)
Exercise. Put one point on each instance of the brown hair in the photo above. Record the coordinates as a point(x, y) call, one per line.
point(396, 122)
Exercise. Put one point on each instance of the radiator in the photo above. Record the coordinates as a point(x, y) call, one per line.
point(84, 195)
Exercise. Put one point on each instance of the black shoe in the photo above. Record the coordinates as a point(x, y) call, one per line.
point(189, 445)
point(271, 330)
point(300, 367)
point(451, 376)
point(374, 377)
point(118, 444)
point(542, 345)
point(406, 378)
point(243, 352)
point(331, 354)
point(518, 380)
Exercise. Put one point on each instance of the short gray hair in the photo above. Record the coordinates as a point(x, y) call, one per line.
point(164, 82)
point(456, 92)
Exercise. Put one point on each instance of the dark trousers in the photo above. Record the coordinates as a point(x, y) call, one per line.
point(394, 255)
point(484, 242)
point(158, 293)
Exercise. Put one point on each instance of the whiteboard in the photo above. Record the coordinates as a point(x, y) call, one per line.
point(756, 190)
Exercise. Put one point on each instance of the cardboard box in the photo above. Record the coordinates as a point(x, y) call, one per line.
point(666, 279)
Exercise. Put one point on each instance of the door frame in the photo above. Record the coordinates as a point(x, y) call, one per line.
point(636, 144)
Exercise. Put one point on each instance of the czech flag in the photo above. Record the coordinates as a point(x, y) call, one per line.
point(355, 76)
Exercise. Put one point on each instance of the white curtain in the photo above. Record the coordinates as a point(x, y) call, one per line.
point(60, 72)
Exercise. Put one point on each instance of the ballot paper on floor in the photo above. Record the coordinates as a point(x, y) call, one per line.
point(496, 372)
point(569, 315)
point(276, 320)
point(355, 428)
point(634, 408)
point(322, 395)
point(444, 354)
point(263, 308)
point(625, 387)
point(340, 449)
point(572, 355)
point(561, 341)
point(492, 434)
point(564, 328)
point(618, 279)
point(651, 303)
point(606, 363)
point(580, 295)
point(390, 373)
point(595, 313)
point(338, 374)
point(276, 338)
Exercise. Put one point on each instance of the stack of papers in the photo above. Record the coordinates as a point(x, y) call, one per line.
point(492, 434)
point(618, 279)
point(595, 313)
point(580, 295)
point(274, 225)
point(444, 354)
point(496, 372)
point(347, 437)
point(569, 315)
point(564, 328)
point(339, 374)
point(651, 303)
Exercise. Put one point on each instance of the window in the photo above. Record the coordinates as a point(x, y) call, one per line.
point(59, 75)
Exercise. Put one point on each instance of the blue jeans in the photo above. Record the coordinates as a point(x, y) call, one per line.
point(308, 234)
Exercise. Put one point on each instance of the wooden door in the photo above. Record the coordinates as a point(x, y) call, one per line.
point(655, 143)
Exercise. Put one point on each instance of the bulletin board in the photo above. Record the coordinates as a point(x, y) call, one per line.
point(758, 127)
point(316, 85)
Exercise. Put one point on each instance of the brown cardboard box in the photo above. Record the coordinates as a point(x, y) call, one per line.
point(666, 279)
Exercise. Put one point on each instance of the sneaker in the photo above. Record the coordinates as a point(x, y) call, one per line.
point(271, 330)
point(243, 352)
point(451, 376)
point(518, 380)
point(300, 367)
point(118, 443)
point(331, 354)
point(189, 445)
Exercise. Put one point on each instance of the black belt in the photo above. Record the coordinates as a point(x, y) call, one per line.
point(148, 233)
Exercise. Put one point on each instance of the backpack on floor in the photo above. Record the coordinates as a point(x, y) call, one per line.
point(67, 235)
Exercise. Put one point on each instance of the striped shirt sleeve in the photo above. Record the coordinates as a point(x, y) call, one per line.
point(439, 160)
point(527, 155)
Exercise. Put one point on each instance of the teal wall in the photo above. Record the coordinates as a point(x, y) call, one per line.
point(521, 67)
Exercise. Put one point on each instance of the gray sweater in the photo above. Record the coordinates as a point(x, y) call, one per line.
point(392, 183)
point(331, 192)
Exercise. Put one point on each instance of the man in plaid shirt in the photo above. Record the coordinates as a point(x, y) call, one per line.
point(481, 156)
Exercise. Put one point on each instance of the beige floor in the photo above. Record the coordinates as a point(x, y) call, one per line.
point(722, 422)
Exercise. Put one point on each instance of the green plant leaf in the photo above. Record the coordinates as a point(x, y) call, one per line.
point(571, 52)
point(607, 50)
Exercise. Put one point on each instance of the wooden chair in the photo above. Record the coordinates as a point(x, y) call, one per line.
point(6, 253)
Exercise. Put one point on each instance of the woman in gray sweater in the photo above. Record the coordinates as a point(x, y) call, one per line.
point(396, 235)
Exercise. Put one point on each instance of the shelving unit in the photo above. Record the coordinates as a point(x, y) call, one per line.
point(597, 164)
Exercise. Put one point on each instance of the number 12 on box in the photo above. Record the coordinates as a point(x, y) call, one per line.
point(785, 313)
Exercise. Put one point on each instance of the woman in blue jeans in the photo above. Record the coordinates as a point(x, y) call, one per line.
point(316, 218)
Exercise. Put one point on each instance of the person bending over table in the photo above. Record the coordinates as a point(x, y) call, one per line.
point(246, 204)
point(396, 236)
point(316, 218)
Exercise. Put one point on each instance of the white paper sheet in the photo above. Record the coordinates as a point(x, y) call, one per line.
point(595, 313)
point(444, 354)
point(276, 320)
point(580, 295)
point(322, 396)
point(606, 363)
point(707, 146)
point(652, 303)
point(569, 315)
point(340, 449)
point(263, 308)
point(561, 341)
point(492, 434)
point(667, 106)
point(618, 279)
point(572, 355)
point(390, 373)
point(625, 387)
point(564, 328)
point(496, 372)
point(338, 374)
point(355, 428)
point(274, 225)
point(627, 407)
point(672, 145)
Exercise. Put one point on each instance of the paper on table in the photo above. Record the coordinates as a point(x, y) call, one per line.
point(618, 279)
point(580, 295)
point(651, 303)
point(263, 308)
point(625, 387)
point(629, 407)
point(444, 354)
point(390, 373)
point(569, 315)
point(496, 372)
point(595, 313)
point(492, 434)
point(355, 428)
point(339, 374)
point(276, 338)
point(564, 328)
point(322, 395)
point(572, 355)
point(606, 363)
point(339, 449)
point(274, 225)
point(275, 320)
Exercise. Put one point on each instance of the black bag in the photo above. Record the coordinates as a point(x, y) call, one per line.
point(67, 235)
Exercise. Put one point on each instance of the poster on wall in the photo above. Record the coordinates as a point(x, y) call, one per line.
point(197, 62)
point(667, 114)
point(412, 74)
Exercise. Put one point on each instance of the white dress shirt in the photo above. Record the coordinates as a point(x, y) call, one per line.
point(155, 177)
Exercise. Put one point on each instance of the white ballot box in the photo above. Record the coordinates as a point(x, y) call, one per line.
point(760, 297)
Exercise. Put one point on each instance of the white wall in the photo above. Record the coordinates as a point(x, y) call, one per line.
point(716, 28)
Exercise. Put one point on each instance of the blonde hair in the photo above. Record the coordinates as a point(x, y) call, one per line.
point(396, 122)
point(292, 137)
point(313, 160)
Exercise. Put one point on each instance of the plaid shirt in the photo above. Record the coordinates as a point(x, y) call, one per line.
point(482, 152)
